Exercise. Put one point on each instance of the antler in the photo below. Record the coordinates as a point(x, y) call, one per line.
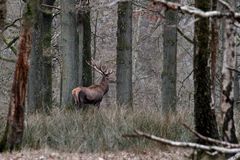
point(102, 69)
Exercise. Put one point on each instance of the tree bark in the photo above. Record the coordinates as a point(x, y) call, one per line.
point(124, 54)
point(86, 21)
point(40, 73)
point(204, 116)
point(169, 73)
point(228, 81)
point(12, 137)
point(3, 11)
point(69, 49)
point(214, 50)
point(229, 63)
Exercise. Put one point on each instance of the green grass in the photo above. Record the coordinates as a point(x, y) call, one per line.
point(100, 130)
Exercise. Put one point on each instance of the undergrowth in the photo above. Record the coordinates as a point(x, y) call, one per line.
point(101, 130)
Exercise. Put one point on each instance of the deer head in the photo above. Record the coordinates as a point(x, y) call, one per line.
point(94, 93)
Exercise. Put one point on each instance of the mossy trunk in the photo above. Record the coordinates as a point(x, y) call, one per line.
point(40, 74)
point(13, 134)
point(205, 118)
point(124, 54)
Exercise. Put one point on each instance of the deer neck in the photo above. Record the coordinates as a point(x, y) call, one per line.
point(104, 84)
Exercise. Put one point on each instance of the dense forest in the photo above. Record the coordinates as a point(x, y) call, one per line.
point(119, 79)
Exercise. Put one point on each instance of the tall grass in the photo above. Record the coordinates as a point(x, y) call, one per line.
point(100, 130)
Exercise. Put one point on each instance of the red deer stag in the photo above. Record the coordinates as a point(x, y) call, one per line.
point(94, 93)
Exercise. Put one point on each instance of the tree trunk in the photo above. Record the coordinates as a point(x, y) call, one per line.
point(40, 74)
point(13, 134)
point(84, 33)
point(205, 118)
point(214, 50)
point(229, 64)
point(229, 81)
point(69, 49)
point(124, 54)
point(169, 74)
point(3, 12)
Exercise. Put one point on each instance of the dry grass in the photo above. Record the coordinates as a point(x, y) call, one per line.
point(99, 130)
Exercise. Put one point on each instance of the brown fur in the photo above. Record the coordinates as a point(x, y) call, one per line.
point(75, 93)
point(92, 94)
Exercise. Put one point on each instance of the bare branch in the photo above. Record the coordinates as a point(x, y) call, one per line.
point(184, 36)
point(235, 157)
point(14, 50)
point(184, 144)
point(225, 4)
point(233, 69)
point(182, 82)
point(50, 6)
point(7, 59)
point(9, 44)
point(197, 12)
point(227, 144)
point(12, 23)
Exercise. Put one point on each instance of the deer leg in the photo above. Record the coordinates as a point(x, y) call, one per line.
point(79, 104)
point(98, 104)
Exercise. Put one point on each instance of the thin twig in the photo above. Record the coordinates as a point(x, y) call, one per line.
point(227, 5)
point(233, 69)
point(7, 59)
point(184, 36)
point(12, 24)
point(50, 6)
point(182, 82)
point(14, 50)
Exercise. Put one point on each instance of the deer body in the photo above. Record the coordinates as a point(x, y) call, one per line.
point(94, 93)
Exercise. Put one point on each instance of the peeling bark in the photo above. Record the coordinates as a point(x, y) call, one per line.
point(12, 137)
point(227, 98)
point(214, 50)
point(205, 118)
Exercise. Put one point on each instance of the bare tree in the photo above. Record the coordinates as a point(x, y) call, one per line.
point(124, 53)
point(205, 118)
point(169, 73)
point(13, 134)
point(40, 73)
point(69, 49)
point(228, 69)
point(86, 22)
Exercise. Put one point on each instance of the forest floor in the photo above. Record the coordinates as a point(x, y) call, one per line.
point(121, 155)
